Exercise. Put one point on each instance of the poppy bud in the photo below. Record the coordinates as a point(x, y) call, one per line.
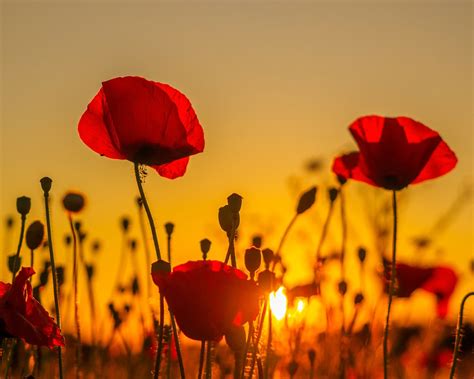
point(34, 235)
point(311, 356)
point(127, 308)
point(362, 253)
point(46, 184)
point(257, 241)
point(235, 202)
point(125, 223)
point(67, 239)
point(60, 275)
point(235, 338)
point(96, 246)
point(253, 259)
point(342, 287)
point(23, 205)
point(139, 201)
point(133, 244)
point(359, 298)
point(14, 264)
point(73, 202)
point(169, 227)
point(77, 226)
point(135, 286)
point(332, 192)
point(10, 222)
point(341, 180)
point(205, 247)
point(268, 257)
point(226, 218)
point(44, 276)
point(90, 271)
point(306, 200)
point(82, 236)
point(292, 368)
point(265, 280)
point(161, 267)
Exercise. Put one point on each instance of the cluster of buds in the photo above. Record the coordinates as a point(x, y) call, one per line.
point(229, 215)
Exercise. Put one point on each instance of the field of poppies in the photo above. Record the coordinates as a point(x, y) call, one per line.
point(230, 313)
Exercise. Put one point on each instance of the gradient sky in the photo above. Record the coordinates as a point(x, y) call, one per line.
point(273, 84)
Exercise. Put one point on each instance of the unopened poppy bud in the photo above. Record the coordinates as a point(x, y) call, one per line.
point(10, 222)
point(362, 254)
point(341, 180)
point(34, 235)
point(257, 241)
point(133, 244)
point(96, 246)
point(125, 223)
point(169, 227)
point(205, 247)
point(60, 275)
point(235, 338)
point(235, 202)
point(359, 298)
point(77, 226)
point(89, 271)
point(253, 259)
point(268, 257)
point(46, 184)
point(161, 267)
point(342, 287)
point(135, 286)
point(306, 200)
point(311, 356)
point(14, 264)
point(82, 236)
point(127, 308)
point(67, 239)
point(44, 276)
point(139, 201)
point(265, 280)
point(332, 193)
point(292, 368)
point(73, 202)
point(226, 218)
point(23, 205)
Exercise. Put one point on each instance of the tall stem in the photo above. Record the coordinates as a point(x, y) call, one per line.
point(324, 231)
point(259, 334)
point(17, 255)
point(178, 348)
point(209, 360)
point(201, 358)
point(458, 335)
point(55, 278)
point(160, 338)
point(283, 239)
point(145, 246)
point(393, 278)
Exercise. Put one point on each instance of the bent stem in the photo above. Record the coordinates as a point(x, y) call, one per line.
point(178, 348)
point(55, 278)
point(17, 255)
point(391, 286)
point(283, 239)
point(458, 335)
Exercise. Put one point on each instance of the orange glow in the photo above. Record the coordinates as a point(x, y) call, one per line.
point(278, 303)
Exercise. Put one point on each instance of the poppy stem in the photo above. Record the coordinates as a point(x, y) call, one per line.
point(201, 358)
point(177, 345)
point(16, 265)
point(324, 232)
point(147, 210)
point(145, 245)
point(209, 360)
point(247, 346)
point(458, 335)
point(393, 276)
point(160, 338)
point(55, 277)
point(269, 345)
point(259, 334)
point(283, 239)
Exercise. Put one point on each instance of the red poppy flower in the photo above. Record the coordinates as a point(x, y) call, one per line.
point(440, 281)
point(23, 317)
point(394, 152)
point(144, 122)
point(208, 297)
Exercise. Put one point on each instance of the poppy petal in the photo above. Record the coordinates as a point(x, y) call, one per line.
point(442, 161)
point(349, 165)
point(173, 169)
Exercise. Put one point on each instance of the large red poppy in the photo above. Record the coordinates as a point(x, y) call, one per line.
point(23, 317)
point(394, 152)
point(439, 280)
point(208, 298)
point(144, 122)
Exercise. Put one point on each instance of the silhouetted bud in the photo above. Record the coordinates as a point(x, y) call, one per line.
point(60, 275)
point(253, 259)
point(306, 200)
point(77, 226)
point(226, 218)
point(10, 221)
point(125, 223)
point(135, 286)
point(127, 308)
point(235, 202)
point(362, 254)
point(73, 202)
point(257, 241)
point(121, 288)
point(292, 368)
point(311, 356)
point(23, 205)
point(342, 287)
point(205, 247)
point(341, 180)
point(96, 246)
point(46, 184)
point(34, 235)
point(265, 280)
point(44, 276)
point(82, 236)
point(12, 267)
point(169, 227)
point(90, 271)
point(359, 298)
point(161, 266)
point(139, 201)
point(235, 338)
point(133, 244)
point(268, 257)
point(332, 192)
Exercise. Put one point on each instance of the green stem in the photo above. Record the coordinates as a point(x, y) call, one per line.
point(55, 279)
point(458, 335)
point(393, 278)
point(17, 255)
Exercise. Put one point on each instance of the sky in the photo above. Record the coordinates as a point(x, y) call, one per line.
point(273, 84)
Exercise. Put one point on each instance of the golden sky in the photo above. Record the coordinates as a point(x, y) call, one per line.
point(273, 84)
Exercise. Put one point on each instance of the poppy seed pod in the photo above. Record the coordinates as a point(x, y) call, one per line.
point(359, 298)
point(73, 202)
point(133, 245)
point(89, 271)
point(257, 241)
point(60, 275)
point(23, 205)
point(332, 193)
point(311, 356)
point(67, 239)
point(169, 228)
point(342, 287)
point(306, 200)
point(44, 276)
point(160, 267)
point(362, 254)
point(265, 280)
point(77, 226)
point(139, 201)
point(205, 247)
point(268, 256)
point(235, 202)
point(226, 218)
point(14, 264)
point(253, 259)
point(235, 338)
point(135, 286)
point(46, 184)
point(125, 223)
point(34, 235)
point(341, 180)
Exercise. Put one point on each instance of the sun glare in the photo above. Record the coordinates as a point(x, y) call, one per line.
point(278, 303)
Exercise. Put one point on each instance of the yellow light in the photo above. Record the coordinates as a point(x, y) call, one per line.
point(300, 306)
point(278, 303)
